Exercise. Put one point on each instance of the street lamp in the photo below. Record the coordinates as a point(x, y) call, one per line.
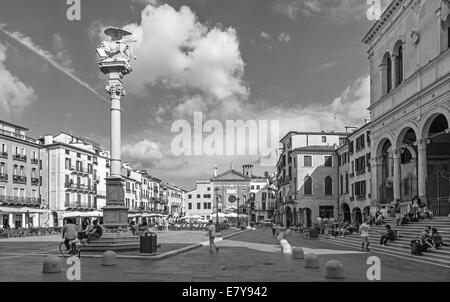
point(217, 205)
point(238, 221)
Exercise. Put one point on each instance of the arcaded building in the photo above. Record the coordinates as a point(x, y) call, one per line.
point(410, 104)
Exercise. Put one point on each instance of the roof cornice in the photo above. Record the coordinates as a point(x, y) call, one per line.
point(385, 17)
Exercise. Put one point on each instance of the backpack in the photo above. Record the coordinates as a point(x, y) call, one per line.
point(416, 248)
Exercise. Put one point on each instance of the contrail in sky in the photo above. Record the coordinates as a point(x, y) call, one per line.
point(28, 43)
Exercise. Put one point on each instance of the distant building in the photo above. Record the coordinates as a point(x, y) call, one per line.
point(199, 201)
point(21, 200)
point(73, 176)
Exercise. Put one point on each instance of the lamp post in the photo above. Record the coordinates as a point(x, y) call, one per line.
point(216, 190)
point(238, 221)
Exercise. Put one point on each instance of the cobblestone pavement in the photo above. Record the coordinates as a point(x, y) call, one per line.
point(242, 258)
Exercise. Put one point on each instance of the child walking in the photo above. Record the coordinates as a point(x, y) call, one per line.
point(364, 229)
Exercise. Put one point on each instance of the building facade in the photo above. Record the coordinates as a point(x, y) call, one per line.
point(200, 200)
point(307, 176)
point(21, 201)
point(73, 179)
point(409, 62)
point(355, 177)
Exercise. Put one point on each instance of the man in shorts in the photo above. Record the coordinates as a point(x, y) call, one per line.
point(364, 230)
point(212, 235)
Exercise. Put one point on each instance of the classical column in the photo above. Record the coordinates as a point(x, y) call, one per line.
point(422, 168)
point(383, 76)
point(393, 71)
point(376, 178)
point(397, 173)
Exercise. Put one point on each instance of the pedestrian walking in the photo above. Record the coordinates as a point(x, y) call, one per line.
point(273, 227)
point(364, 229)
point(212, 234)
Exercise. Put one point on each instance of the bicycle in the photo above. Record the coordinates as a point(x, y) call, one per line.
point(75, 249)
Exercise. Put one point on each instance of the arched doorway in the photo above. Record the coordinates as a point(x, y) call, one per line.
point(438, 170)
point(366, 213)
point(345, 210)
point(55, 219)
point(289, 219)
point(385, 173)
point(308, 217)
point(356, 215)
point(295, 222)
point(408, 164)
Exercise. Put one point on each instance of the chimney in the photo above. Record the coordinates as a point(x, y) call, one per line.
point(215, 171)
point(48, 139)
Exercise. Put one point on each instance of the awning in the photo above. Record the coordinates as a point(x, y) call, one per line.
point(35, 210)
point(9, 210)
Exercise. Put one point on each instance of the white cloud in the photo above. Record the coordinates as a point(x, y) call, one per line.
point(336, 10)
point(143, 154)
point(15, 96)
point(62, 55)
point(284, 38)
point(176, 49)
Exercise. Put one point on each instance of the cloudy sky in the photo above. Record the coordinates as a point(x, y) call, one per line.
point(299, 62)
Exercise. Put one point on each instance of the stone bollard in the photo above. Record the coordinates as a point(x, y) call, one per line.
point(286, 248)
point(334, 270)
point(311, 261)
point(109, 258)
point(280, 237)
point(297, 253)
point(52, 264)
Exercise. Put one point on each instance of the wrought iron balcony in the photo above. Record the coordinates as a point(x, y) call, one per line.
point(19, 179)
point(35, 181)
point(19, 157)
point(3, 154)
point(34, 161)
point(3, 177)
point(20, 200)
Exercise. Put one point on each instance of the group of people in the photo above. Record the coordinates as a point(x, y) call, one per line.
point(76, 234)
point(418, 210)
point(429, 238)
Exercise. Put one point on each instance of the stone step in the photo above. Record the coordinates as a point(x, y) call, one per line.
point(392, 246)
point(435, 259)
point(422, 258)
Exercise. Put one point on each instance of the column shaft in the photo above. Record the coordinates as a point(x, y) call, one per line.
point(422, 169)
point(397, 174)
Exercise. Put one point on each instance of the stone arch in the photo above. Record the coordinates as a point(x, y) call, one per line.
point(345, 212)
point(428, 119)
point(380, 143)
point(357, 215)
point(400, 135)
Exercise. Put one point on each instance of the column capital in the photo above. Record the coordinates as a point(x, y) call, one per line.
point(115, 89)
point(422, 143)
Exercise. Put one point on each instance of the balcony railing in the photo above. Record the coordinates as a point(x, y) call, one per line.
point(362, 171)
point(18, 179)
point(35, 181)
point(19, 136)
point(3, 154)
point(19, 157)
point(3, 177)
point(34, 161)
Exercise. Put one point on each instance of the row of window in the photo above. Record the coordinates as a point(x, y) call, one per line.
point(308, 185)
point(19, 151)
point(80, 200)
point(17, 192)
point(199, 196)
point(206, 206)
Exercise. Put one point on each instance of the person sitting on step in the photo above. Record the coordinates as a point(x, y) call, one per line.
point(389, 235)
point(437, 238)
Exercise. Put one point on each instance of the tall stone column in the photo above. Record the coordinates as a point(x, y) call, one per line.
point(422, 168)
point(393, 71)
point(376, 178)
point(397, 174)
